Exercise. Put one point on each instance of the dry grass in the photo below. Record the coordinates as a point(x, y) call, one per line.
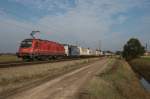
point(8, 58)
point(142, 66)
point(12, 78)
point(118, 81)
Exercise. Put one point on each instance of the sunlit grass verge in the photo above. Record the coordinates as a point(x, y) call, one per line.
point(117, 81)
point(8, 58)
point(16, 77)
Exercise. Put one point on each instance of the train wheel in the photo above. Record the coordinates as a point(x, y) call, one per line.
point(26, 59)
point(54, 57)
point(50, 58)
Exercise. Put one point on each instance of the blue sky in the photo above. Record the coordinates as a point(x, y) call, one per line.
point(86, 22)
point(28, 11)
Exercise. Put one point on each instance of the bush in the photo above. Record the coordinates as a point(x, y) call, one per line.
point(133, 49)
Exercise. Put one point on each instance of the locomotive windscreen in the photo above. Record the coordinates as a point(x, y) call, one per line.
point(26, 43)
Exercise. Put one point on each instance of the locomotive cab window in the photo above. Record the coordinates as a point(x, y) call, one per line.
point(26, 44)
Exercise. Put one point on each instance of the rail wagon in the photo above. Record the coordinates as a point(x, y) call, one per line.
point(84, 51)
point(76, 51)
point(67, 48)
point(92, 52)
point(40, 49)
point(98, 53)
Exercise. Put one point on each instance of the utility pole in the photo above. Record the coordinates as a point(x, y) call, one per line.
point(77, 43)
point(99, 44)
point(146, 47)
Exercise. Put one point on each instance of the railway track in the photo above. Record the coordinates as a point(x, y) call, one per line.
point(22, 63)
point(19, 63)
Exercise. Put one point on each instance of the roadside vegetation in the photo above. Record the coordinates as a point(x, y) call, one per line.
point(18, 77)
point(117, 81)
point(133, 49)
point(8, 58)
point(142, 66)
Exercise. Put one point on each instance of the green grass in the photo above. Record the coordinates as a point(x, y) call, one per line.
point(146, 58)
point(117, 81)
point(8, 58)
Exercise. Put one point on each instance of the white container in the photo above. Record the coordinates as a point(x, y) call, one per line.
point(66, 47)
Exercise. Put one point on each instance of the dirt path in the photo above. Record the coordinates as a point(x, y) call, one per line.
point(63, 87)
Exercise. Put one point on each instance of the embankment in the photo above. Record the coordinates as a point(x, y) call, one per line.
point(118, 81)
point(142, 67)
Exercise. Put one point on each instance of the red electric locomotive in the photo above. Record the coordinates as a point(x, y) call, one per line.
point(31, 49)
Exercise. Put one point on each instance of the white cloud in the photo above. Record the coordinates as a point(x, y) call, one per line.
point(88, 21)
point(121, 19)
point(50, 5)
point(2, 12)
point(12, 32)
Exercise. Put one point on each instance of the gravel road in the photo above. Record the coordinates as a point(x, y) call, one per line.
point(63, 87)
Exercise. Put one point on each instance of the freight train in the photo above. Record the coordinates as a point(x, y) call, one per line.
point(37, 49)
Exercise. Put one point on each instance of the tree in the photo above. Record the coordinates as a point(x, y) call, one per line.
point(133, 49)
point(118, 53)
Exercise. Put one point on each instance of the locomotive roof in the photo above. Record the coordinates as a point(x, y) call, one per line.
point(27, 40)
point(39, 40)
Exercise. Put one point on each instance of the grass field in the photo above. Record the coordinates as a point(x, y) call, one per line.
point(118, 81)
point(142, 66)
point(146, 57)
point(16, 77)
point(8, 58)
